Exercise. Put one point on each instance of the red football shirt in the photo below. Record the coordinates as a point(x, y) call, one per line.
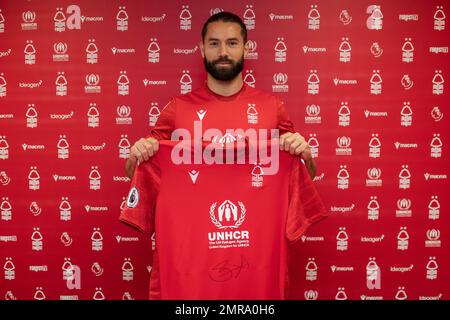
point(248, 108)
point(222, 230)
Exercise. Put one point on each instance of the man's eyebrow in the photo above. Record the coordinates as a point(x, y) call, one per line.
point(229, 39)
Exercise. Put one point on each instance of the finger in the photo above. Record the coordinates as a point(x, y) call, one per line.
point(300, 149)
point(283, 138)
point(142, 151)
point(136, 153)
point(289, 141)
point(155, 144)
point(294, 145)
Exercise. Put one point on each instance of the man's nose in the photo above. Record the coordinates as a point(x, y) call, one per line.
point(223, 50)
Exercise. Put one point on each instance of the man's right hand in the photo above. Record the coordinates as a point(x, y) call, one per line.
point(141, 151)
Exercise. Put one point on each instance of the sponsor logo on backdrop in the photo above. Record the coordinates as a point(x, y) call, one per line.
point(311, 295)
point(72, 21)
point(433, 240)
point(29, 18)
point(374, 177)
point(153, 19)
point(313, 114)
point(280, 82)
point(435, 50)
point(343, 209)
point(185, 51)
point(375, 20)
point(274, 17)
point(307, 49)
point(408, 17)
point(123, 115)
point(376, 50)
point(345, 17)
point(406, 82)
point(343, 146)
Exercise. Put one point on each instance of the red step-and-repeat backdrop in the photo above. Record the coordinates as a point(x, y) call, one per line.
point(364, 82)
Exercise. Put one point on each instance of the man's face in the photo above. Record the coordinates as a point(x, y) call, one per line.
point(223, 50)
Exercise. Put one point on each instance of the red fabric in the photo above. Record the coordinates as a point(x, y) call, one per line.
point(222, 112)
point(184, 265)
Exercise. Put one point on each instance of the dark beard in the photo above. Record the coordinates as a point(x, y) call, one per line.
point(224, 74)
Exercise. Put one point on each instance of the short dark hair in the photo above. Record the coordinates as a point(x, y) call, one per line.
point(225, 17)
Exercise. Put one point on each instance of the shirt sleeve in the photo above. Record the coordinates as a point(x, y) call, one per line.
point(305, 206)
point(284, 122)
point(139, 211)
point(165, 123)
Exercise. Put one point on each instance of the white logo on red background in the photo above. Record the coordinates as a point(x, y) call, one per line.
point(185, 18)
point(373, 275)
point(373, 209)
point(375, 83)
point(153, 114)
point(123, 84)
point(127, 270)
point(436, 146)
point(311, 269)
point(342, 240)
point(97, 240)
point(403, 208)
point(343, 177)
point(436, 114)
point(439, 19)
point(91, 52)
point(61, 85)
point(402, 239)
point(249, 79)
point(32, 116)
point(94, 179)
point(344, 114)
point(65, 213)
point(438, 83)
point(10, 269)
point(185, 82)
point(30, 53)
point(6, 209)
point(153, 51)
point(124, 147)
point(343, 146)
point(375, 21)
point(432, 269)
point(93, 116)
point(406, 114)
point(313, 18)
point(280, 50)
point(280, 82)
point(434, 208)
point(345, 50)
point(249, 17)
point(29, 18)
point(60, 52)
point(404, 177)
point(122, 19)
point(376, 50)
point(374, 146)
point(313, 82)
point(407, 51)
point(37, 240)
point(314, 145)
point(345, 17)
point(406, 82)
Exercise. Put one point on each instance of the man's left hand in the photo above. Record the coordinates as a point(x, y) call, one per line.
point(296, 144)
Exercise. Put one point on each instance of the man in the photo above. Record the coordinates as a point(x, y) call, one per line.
point(191, 261)
point(223, 48)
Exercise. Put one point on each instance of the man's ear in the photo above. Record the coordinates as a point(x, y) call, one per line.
point(202, 49)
